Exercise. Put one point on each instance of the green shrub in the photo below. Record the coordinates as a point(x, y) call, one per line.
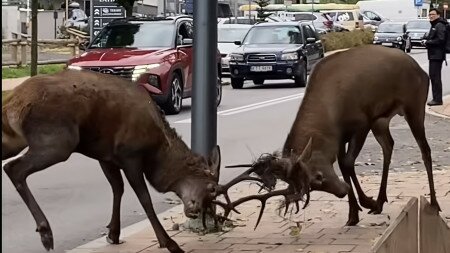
point(339, 40)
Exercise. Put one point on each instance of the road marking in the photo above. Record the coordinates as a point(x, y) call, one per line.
point(250, 107)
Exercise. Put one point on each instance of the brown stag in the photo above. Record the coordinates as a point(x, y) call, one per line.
point(349, 94)
point(111, 120)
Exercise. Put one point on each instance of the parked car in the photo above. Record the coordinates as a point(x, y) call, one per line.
point(154, 52)
point(393, 34)
point(417, 29)
point(244, 20)
point(349, 19)
point(285, 50)
point(321, 22)
point(226, 36)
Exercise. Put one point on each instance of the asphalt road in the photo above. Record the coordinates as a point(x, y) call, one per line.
point(77, 199)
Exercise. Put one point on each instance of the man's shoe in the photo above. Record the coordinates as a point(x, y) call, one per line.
point(433, 103)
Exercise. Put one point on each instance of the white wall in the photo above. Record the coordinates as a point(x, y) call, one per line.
point(10, 21)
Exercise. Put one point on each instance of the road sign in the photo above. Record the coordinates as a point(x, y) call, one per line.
point(445, 6)
point(103, 12)
point(287, 2)
point(311, 1)
point(189, 6)
point(418, 2)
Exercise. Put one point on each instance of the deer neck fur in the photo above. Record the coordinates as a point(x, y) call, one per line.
point(314, 120)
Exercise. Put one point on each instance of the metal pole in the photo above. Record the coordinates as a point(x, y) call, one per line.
point(204, 104)
point(34, 30)
point(164, 8)
point(55, 27)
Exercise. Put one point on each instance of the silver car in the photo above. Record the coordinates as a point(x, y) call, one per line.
point(226, 36)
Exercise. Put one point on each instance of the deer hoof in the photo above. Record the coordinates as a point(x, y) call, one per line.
point(352, 222)
point(47, 239)
point(115, 241)
point(173, 247)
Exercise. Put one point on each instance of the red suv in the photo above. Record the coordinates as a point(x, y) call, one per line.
point(154, 52)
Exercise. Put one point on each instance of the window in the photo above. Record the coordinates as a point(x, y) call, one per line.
point(274, 35)
point(185, 31)
point(135, 35)
point(305, 16)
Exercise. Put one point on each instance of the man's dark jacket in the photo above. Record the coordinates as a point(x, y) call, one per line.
point(435, 41)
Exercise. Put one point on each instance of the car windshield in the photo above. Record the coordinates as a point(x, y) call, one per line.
point(135, 35)
point(425, 25)
point(273, 35)
point(230, 35)
point(390, 28)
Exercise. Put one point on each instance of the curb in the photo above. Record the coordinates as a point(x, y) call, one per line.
point(430, 111)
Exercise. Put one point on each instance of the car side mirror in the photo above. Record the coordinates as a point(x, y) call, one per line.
point(310, 40)
point(237, 42)
point(83, 45)
point(187, 41)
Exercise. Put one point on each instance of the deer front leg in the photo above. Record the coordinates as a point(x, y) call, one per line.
point(19, 169)
point(114, 177)
point(354, 148)
point(382, 134)
point(353, 214)
point(135, 177)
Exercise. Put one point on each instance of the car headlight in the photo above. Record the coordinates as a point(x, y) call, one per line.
point(73, 67)
point(141, 69)
point(289, 56)
point(237, 57)
point(399, 38)
point(375, 38)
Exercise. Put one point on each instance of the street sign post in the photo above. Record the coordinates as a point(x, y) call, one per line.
point(445, 6)
point(418, 3)
point(103, 12)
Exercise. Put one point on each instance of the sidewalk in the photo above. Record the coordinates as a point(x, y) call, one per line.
point(442, 110)
point(318, 228)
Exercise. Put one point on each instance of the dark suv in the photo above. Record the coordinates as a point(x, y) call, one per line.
point(285, 50)
point(154, 52)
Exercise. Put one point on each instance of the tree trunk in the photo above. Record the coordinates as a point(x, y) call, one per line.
point(34, 30)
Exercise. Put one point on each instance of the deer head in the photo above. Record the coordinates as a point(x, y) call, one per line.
point(320, 172)
point(197, 190)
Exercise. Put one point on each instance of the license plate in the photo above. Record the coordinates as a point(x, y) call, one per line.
point(387, 44)
point(261, 68)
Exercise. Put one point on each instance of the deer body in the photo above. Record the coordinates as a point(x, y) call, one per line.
point(108, 119)
point(349, 94)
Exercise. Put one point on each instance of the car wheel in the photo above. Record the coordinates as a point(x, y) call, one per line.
point(237, 83)
point(175, 96)
point(219, 91)
point(258, 81)
point(300, 81)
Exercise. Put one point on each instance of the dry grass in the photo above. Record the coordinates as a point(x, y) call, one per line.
point(339, 40)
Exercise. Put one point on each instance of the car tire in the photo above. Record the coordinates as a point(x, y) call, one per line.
point(237, 83)
point(175, 97)
point(258, 81)
point(300, 81)
point(219, 91)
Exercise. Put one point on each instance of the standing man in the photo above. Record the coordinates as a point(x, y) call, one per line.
point(435, 44)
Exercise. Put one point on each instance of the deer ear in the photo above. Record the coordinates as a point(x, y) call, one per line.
point(306, 154)
point(214, 162)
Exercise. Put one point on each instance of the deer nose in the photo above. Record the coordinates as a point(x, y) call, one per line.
point(317, 180)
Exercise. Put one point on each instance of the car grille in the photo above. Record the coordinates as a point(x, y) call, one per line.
point(125, 72)
point(262, 58)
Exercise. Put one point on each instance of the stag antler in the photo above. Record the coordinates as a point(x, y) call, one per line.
point(268, 168)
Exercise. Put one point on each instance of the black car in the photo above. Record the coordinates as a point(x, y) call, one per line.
point(393, 34)
point(417, 30)
point(285, 50)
